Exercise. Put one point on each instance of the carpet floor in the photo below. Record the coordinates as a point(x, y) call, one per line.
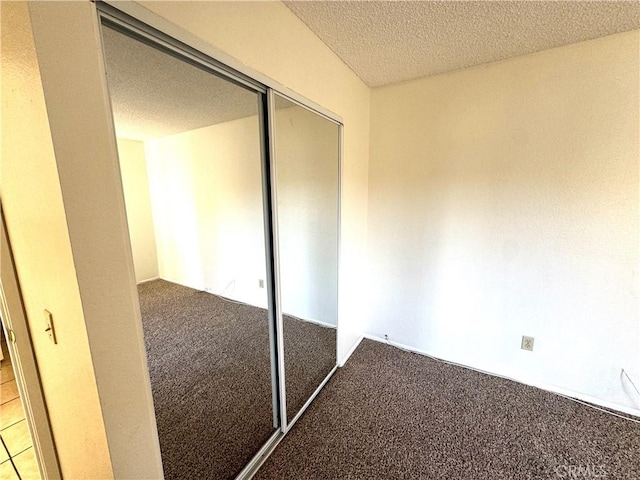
point(391, 414)
point(210, 373)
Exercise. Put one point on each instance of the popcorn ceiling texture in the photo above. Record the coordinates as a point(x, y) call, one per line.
point(393, 41)
point(154, 94)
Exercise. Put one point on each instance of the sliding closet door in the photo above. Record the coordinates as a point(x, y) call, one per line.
point(307, 149)
point(191, 153)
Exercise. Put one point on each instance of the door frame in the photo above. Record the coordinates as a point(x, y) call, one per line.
point(18, 335)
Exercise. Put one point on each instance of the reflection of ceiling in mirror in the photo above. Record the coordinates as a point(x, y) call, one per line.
point(154, 94)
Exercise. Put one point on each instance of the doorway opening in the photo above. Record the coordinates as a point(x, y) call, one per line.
point(17, 457)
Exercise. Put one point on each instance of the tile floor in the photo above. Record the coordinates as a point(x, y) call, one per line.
point(17, 459)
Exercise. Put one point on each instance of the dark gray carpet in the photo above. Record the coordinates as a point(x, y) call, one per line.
point(309, 356)
point(211, 379)
point(390, 414)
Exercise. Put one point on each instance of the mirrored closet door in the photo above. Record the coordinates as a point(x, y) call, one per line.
point(232, 203)
point(307, 150)
point(190, 147)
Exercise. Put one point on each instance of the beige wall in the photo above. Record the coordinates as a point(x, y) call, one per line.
point(504, 202)
point(268, 38)
point(36, 223)
point(133, 169)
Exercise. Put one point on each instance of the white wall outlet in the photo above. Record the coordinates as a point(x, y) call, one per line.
point(527, 343)
point(261, 283)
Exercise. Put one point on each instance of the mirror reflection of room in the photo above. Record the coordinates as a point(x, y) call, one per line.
point(190, 157)
point(307, 167)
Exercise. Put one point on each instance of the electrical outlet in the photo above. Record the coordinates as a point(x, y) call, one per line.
point(386, 337)
point(527, 343)
point(261, 283)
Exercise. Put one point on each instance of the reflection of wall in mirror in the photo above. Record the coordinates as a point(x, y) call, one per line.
point(206, 198)
point(135, 184)
point(206, 190)
point(307, 189)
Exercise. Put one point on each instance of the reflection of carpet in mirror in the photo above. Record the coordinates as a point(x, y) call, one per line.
point(211, 376)
point(309, 356)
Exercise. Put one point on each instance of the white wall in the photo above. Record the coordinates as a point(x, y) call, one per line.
point(504, 201)
point(206, 191)
point(135, 184)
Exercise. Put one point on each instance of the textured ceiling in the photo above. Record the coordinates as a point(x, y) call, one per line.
point(154, 94)
point(391, 41)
